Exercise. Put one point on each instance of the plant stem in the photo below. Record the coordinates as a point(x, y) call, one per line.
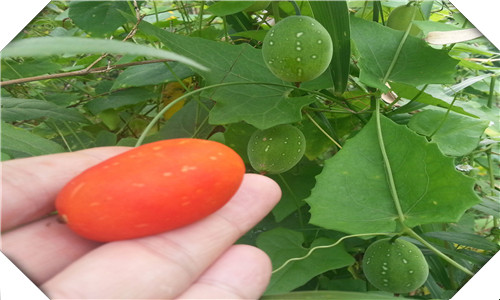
point(398, 50)
point(444, 118)
point(296, 7)
point(414, 235)
point(200, 16)
point(156, 12)
point(323, 131)
point(82, 72)
point(491, 96)
point(275, 5)
point(387, 165)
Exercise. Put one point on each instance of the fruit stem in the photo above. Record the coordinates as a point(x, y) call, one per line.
point(414, 235)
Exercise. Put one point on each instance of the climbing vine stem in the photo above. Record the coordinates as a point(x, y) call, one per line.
point(327, 246)
point(387, 165)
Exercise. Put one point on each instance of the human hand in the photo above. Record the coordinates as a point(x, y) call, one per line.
point(195, 261)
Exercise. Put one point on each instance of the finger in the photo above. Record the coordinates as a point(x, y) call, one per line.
point(30, 185)
point(163, 266)
point(44, 248)
point(243, 272)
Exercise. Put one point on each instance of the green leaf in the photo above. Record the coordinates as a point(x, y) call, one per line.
point(224, 8)
point(150, 74)
point(456, 135)
point(262, 106)
point(428, 26)
point(329, 295)
point(416, 64)
point(14, 109)
point(17, 142)
point(334, 16)
point(189, 122)
point(464, 239)
point(282, 244)
point(98, 17)
point(257, 35)
point(409, 92)
point(120, 99)
point(352, 193)
point(237, 136)
point(296, 186)
point(46, 46)
point(29, 67)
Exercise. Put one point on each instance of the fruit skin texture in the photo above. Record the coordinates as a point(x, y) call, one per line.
point(277, 149)
point(401, 16)
point(395, 266)
point(297, 49)
point(151, 189)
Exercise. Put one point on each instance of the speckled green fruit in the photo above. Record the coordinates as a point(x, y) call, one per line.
point(401, 16)
point(297, 49)
point(277, 149)
point(395, 266)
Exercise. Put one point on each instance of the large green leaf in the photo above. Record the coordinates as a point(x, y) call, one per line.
point(282, 244)
point(262, 106)
point(416, 64)
point(18, 142)
point(14, 109)
point(46, 46)
point(98, 17)
point(352, 192)
point(454, 134)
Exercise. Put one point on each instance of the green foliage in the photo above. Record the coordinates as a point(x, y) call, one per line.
point(334, 16)
point(98, 18)
point(417, 63)
point(282, 244)
point(402, 136)
point(360, 200)
point(455, 135)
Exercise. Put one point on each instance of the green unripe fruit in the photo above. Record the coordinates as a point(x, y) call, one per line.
point(401, 16)
point(297, 49)
point(395, 266)
point(277, 149)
